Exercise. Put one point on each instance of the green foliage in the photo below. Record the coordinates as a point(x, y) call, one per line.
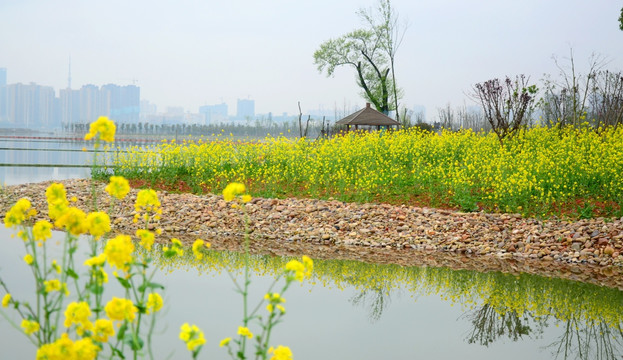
point(371, 53)
point(540, 171)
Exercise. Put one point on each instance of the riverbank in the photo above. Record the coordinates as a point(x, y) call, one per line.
point(584, 250)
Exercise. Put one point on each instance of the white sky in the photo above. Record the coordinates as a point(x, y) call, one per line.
point(191, 53)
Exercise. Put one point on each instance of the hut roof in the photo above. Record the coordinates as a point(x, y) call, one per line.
point(368, 116)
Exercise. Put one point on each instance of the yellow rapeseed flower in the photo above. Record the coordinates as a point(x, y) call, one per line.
point(6, 299)
point(104, 127)
point(176, 249)
point(102, 329)
point(224, 342)
point(56, 194)
point(296, 267)
point(118, 187)
point(244, 331)
point(30, 326)
point(18, 213)
point(62, 348)
point(119, 251)
point(98, 223)
point(192, 336)
point(85, 349)
point(28, 259)
point(74, 221)
point(154, 302)
point(198, 248)
point(42, 230)
point(120, 309)
point(146, 238)
point(232, 190)
point(52, 285)
point(147, 199)
point(280, 353)
point(96, 260)
point(78, 313)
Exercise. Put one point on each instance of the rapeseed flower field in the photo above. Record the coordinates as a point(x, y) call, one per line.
point(540, 172)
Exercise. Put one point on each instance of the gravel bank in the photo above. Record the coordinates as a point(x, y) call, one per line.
point(586, 250)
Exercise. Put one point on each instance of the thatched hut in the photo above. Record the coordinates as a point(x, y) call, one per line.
point(368, 118)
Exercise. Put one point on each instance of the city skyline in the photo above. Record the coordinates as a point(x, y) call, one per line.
point(192, 54)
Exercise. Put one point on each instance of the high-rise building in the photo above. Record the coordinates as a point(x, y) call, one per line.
point(31, 106)
point(245, 109)
point(70, 106)
point(214, 114)
point(121, 103)
point(89, 108)
point(3, 95)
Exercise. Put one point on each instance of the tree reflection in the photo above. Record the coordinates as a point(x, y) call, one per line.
point(593, 339)
point(489, 325)
point(583, 339)
point(376, 298)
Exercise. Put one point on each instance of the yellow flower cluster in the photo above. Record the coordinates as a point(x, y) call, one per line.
point(30, 326)
point(235, 190)
point(299, 270)
point(118, 187)
point(66, 349)
point(19, 213)
point(42, 230)
point(119, 251)
point(176, 249)
point(98, 223)
point(102, 329)
point(199, 247)
point(28, 259)
point(146, 238)
point(275, 300)
point(120, 309)
point(104, 127)
point(280, 353)
point(534, 169)
point(154, 302)
point(192, 336)
point(55, 285)
point(56, 197)
point(73, 220)
point(78, 313)
point(244, 331)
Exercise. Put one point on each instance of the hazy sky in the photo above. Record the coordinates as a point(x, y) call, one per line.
point(191, 53)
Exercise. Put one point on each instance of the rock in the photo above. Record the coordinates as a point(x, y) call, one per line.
point(609, 250)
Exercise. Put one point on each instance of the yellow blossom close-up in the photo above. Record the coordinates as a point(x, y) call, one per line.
point(118, 187)
point(121, 309)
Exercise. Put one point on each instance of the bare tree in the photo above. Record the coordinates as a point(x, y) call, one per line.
point(606, 99)
point(470, 119)
point(566, 102)
point(507, 104)
point(447, 118)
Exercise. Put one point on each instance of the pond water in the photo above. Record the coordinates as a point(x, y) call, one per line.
point(349, 310)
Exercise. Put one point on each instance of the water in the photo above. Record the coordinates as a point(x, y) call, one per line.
point(349, 310)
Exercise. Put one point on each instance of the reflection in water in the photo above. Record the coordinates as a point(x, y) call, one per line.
point(498, 305)
point(489, 325)
point(377, 299)
point(594, 339)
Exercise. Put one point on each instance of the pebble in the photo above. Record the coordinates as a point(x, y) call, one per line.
point(359, 226)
